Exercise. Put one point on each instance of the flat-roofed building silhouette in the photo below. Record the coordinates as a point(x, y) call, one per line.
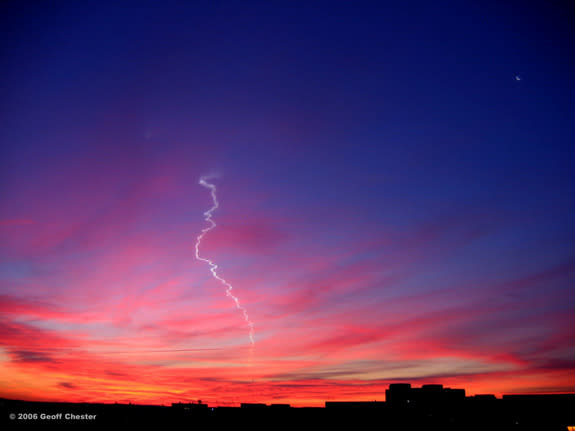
point(354, 404)
point(398, 394)
point(403, 395)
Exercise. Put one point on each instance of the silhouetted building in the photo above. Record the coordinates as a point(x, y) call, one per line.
point(398, 394)
point(253, 406)
point(280, 406)
point(432, 389)
point(430, 396)
point(190, 406)
point(483, 398)
point(402, 395)
point(454, 395)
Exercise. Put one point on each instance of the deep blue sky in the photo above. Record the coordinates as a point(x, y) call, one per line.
point(419, 93)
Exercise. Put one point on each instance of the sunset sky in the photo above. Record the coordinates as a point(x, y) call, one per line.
point(395, 185)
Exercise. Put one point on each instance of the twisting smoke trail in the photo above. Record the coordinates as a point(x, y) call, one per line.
point(213, 266)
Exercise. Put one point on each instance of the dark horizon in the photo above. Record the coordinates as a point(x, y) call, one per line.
point(406, 407)
point(328, 400)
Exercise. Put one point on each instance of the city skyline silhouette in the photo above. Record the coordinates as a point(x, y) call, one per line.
point(406, 407)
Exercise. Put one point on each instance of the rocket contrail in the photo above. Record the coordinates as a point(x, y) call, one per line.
point(213, 266)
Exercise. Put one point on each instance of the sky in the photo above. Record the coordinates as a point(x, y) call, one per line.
point(395, 194)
